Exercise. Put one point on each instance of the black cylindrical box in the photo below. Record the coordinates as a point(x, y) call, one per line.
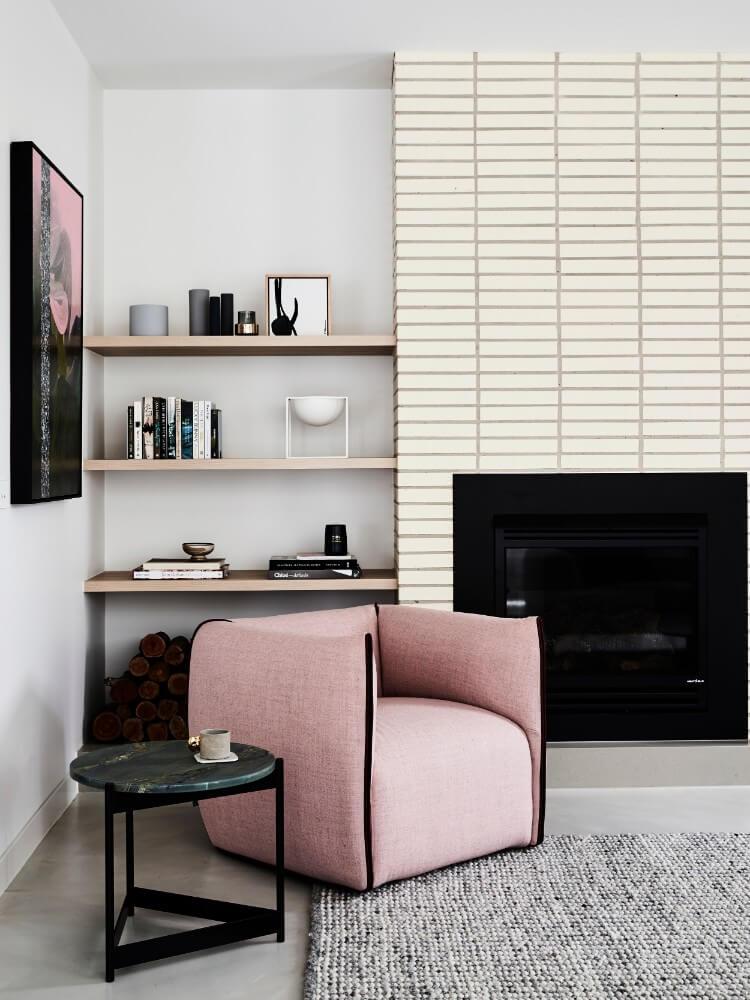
point(336, 543)
point(214, 316)
point(227, 314)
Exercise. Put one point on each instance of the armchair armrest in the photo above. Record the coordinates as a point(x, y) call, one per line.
point(303, 688)
point(491, 663)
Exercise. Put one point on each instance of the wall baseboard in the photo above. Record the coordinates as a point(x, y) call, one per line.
point(23, 845)
point(707, 809)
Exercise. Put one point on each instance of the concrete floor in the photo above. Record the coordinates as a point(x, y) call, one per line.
point(51, 937)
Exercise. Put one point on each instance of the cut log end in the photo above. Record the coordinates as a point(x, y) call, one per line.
point(174, 655)
point(138, 666)
point(158, 671)
point(153, 645)
point(132, 730)
point(178, 727)
point(149, 690)
point(177, 684)
point(124, 690)
point(146, 711)
point(167, 708)
point(158, 731)
point(106, 727)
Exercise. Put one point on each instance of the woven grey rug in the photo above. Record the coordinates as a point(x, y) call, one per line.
point(652, 917)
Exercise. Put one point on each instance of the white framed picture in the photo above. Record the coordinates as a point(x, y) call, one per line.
point(298, 305)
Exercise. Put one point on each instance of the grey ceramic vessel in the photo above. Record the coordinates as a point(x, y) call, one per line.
point(149, 321)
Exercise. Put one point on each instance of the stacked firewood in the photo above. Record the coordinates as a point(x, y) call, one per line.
point(149, 701)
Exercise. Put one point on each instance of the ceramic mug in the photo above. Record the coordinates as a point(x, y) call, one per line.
point(215, 744)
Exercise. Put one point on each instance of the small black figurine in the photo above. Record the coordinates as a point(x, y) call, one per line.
point(282, 326)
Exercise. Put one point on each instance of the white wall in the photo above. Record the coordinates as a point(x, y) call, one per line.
point(51, 637)
point(214, 189)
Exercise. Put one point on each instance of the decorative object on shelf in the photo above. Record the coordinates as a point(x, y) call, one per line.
point(198, 551)
point(167, 427)
point(335, 540)
point(313, 566)
point(246, 325)
point(214, 316)
point(317, 411)
point(194, 568)
point(227, 314)
point(46, 324)
point(149, 321)
point(149, 701)
point(298, 305)
point(198, 302)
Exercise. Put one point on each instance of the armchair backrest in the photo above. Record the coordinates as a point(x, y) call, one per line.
point(491, 663)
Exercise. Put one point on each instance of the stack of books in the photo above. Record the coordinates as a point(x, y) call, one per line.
point(168, 427)
point(313, 566)
point(182, 569)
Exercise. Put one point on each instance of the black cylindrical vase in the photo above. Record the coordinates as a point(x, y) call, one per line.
point(227, 314)
point(214, 310)
point(198, 299)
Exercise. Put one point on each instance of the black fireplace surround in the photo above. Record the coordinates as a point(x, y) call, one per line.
point(640, 580)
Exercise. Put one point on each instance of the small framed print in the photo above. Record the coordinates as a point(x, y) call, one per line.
point(298, 305)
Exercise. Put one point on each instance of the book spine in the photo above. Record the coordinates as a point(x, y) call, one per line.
point(201, 428)
point(215, 433)
point(178, 427)
point(313, 574)
point(312, 564)
point(157, 427)
point(171, 428)
point(148, 427)
point(164, 431)
point(178, 574)
point(187, 428)
point(196, 435)
point(138, 428)
point(207, 429)
point(131, 431)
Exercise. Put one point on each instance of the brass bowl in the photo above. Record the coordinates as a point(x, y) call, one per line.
point(198, 551)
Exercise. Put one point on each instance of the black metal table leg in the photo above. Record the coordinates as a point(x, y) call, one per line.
point(109, 884)
point(234, 921)
point(129, 862)
point(280, 849)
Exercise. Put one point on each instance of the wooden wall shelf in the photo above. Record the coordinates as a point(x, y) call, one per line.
point(234, 464)
point(172, 347)
point(240, 581)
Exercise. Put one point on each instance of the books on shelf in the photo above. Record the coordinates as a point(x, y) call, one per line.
point(182, 569)
point(167, 427)
point(313, 566)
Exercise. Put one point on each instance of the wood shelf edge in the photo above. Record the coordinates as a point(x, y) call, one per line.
point(112, 347)
point(236, 464)
point(240, 581)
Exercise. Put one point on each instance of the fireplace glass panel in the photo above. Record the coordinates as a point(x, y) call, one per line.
point(621, 621)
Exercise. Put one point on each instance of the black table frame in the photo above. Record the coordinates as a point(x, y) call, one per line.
point(238, 922)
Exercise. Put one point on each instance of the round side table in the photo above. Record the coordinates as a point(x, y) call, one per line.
point(145, 775)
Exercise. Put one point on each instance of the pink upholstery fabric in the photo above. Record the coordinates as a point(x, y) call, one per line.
point(295, 684)
point(450, 782)
point(493, 663)
point(457, 752)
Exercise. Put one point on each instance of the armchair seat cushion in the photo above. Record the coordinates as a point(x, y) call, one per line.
point(450, 782)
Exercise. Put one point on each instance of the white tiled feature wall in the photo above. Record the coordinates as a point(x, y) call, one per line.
point(572, 275)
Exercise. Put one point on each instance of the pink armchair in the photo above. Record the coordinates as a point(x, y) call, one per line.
point(412, 738)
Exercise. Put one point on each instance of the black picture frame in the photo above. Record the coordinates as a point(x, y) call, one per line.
point(46, 336)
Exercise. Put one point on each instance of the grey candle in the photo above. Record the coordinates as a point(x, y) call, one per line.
point(198, 298)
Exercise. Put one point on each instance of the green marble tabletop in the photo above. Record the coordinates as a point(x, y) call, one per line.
point(162, 767)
